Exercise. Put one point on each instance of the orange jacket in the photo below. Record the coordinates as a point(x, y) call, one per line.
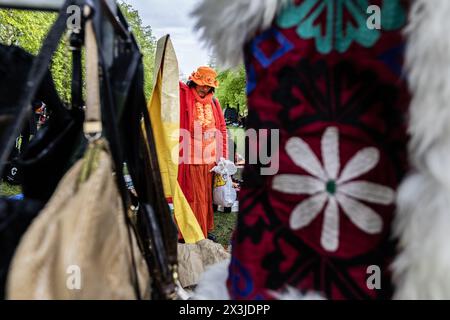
point(187, 102)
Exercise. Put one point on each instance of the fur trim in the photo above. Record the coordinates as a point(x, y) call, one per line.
point(212, 286)
point(227, 25)
point(420, 271)
point(422, 224)
point(294, 294)
point(183, 294)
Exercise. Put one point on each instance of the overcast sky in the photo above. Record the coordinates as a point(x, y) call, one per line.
point(172, 17)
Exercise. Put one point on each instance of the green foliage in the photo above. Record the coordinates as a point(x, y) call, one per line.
point(27, 29)
point(9, 190)
point(146, 41)
point(232, 89)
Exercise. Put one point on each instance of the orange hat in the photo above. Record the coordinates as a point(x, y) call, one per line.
point(205, 76)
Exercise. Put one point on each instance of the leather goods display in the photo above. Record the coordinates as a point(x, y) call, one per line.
point(94, 239)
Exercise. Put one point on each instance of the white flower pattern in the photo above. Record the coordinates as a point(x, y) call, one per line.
point(330, 190)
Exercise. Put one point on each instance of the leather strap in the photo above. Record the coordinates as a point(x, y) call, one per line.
point(76, 42)
point(107, 111)
point(93, 119)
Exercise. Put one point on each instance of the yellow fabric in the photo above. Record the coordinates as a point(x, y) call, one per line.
point(164, 110)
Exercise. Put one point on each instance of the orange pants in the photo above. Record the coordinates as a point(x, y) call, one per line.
point(201, 204)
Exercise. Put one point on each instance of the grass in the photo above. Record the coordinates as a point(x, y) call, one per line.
point(225, 224)
point(9, 190)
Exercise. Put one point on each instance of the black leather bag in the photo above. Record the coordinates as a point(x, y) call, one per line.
point(56, 146)
point(154, 225)
point(50, 154)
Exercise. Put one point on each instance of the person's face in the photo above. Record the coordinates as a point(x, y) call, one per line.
point(203, 90)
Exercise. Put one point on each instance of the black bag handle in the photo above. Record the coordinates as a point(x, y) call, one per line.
point(155, 225)
point(103, 112)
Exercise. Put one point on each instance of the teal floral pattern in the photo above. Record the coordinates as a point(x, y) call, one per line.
point(336, 24)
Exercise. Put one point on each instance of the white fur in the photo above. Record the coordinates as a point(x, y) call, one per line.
point(294, 294)
point(212, 286)
point(227, 25)
point(212, 283)
point(182, 293)
point(422, 267)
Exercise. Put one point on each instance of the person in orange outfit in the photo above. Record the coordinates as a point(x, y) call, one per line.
point(202, 117)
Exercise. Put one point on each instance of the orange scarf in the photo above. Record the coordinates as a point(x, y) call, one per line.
point(203, 109)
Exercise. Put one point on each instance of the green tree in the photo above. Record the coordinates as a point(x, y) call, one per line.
point(232, 90)
point(146, 41)
point(27, 29)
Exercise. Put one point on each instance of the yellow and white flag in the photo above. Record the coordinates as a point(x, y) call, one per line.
point(164, 110)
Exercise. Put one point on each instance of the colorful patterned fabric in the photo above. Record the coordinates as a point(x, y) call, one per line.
point(336, 24)
point(335, 91)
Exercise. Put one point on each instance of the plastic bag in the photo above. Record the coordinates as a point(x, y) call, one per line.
point(223, 191)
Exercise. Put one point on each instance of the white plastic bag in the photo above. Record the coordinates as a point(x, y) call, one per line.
point(223, 191)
